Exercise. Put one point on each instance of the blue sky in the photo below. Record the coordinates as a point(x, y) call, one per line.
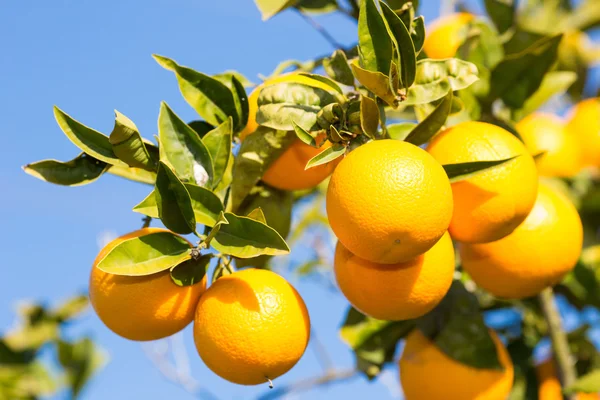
point(89, 58)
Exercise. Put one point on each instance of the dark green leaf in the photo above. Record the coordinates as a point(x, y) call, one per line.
point(211, 99)
point(255, 155)
point(377, 83)
point(245, 237)
point(400, 131)
point(133, 174)
point(269, 8)
point(240, 98)
point(589, 383)
point(373, 39)
point(369, 116)
point(304, 136)
point(461, 171)
point(227, 75)
point(183, 150)
point(436, 77)
point(128, 145)
point(404, 45)
point(554, 83)
point(173, 201)
point(374, 342)
point(457, 328)
point(417, 33)
point(282, 103)
point(329, 154)
point(80, 360)
point(191, 272)
point(317, 6)
point(519, 75)
point(218, 144)
point(146, 255)
point(338, 69)
point(502, 12)
point(482, 46)
point(87, 139)
point(432, 123)
point(323, 79)
point(201, 127)
point(82, 170)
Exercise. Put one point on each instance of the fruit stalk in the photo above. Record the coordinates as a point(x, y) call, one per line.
point(558, 336)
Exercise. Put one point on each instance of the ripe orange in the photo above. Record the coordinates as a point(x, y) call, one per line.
point(287, 172)
point(536, 255)
point(251, 326)
point(400, 291)
point(549, 387)
point(142, 307)
point(584, 124)
point(389, 201)
point(445, 35)
point(546, 133)
point(427, 373)
point(491, 204)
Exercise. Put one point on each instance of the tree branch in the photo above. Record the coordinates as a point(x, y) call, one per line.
point(146, 222)
point(326, 35)
point(560, 344)
point(332, 376)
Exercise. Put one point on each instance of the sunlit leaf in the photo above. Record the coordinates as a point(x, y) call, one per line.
point(128, 145)
point(133, 174)
point(404, 45)
point(269, 8)
point(374, 41)
point(400, 131)
point(376, 82)
point(328, 155)
point(589, 383)
point(432, 123)
point(369, 116)
point(173, 201)
point(337, 68)
point(218, 144)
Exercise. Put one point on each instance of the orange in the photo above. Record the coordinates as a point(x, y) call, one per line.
point(288, 171)
point(400, 291)
point(427, 373)
point(549, 387)
point(446, 34)
point(492, 203)
point(584, 124)
point(546, 133)
point(251, 326)
point(142, 307)
point(389, 201)
point(536, 255)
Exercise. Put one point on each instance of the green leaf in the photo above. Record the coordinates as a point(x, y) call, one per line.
point(258, 215)
point(432, 123)
point(80, 360)
point(211, 99)
point(417, 33)
point(255, 155)
point(282, 103)
point(461, 171)
point(87, 139)
point(502, 13)
point(82, 170)
point(447, 326)
point(404, 45)
point(245, 237)
point(71, 308)
point(554, 83)
point(374, 342)
point(182, 148)
point(173, 201)
point(329, 154)
point(317, 6)
point(377, 83)
point(240, 98)
point(374, 42)
point(146, 255)
point(519, 75)
point(586, 16)
point(207, 205)
point(269, 8)
point(369, 116)
point(304, 135)
point(133, 174)
point(227, 75)
point(589, 383)
point(400, 131)
point(338, 69)
point(436, 77)
point(323, 79)
point(218, 144)
point(201, 127)
point(482, 46)
point(191, 272)
point(128, 145)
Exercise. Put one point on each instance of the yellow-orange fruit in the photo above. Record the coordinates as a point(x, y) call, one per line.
point(251, 326)
point(536, 255)
point(491, 204)
point(396, 291)
point(546, 133)
point(549, 387)
point(446, 34)
point(584, 124)
point(389, 201)
point(142, 307)
point(427, 373)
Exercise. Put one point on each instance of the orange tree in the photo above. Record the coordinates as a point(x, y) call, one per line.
point(430, 136)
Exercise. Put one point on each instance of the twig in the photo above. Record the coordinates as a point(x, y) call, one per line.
point(560, 344)
point(333, 376)
point(326, 35)
point(146, 221)
point(320, 351)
